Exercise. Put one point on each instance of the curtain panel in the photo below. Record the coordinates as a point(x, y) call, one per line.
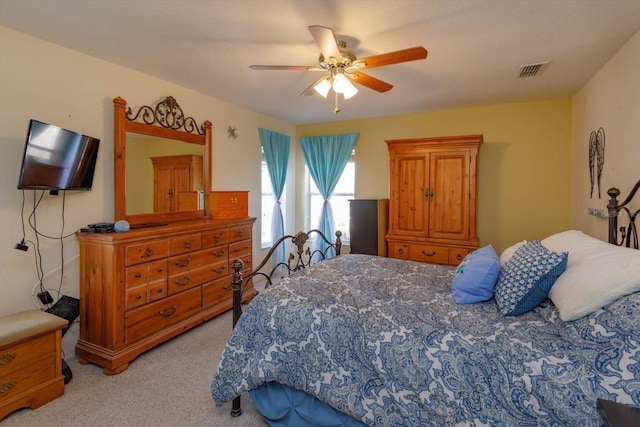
point(326, 158)
point(276, 155)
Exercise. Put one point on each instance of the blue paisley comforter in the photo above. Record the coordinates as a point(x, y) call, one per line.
point(382, 340)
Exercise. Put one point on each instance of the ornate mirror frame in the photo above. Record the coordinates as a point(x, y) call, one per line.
point(167, 121)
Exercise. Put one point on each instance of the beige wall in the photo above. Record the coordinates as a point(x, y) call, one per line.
point(524, 178)
point(75, 91)
point(610, 100)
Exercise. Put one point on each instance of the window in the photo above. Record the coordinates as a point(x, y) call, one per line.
point(344, 191)
point(267, 204)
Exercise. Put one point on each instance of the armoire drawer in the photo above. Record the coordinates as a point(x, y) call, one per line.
point(429, 253)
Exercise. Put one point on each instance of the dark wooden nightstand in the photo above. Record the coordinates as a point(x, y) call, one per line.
point(618, 415)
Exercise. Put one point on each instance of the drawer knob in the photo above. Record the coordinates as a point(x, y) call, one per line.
point(160, 270)
point(138, 275)
point(183, 264)
point(459, 257)
point(219, 270)
point(169, 312)
point(187, 244)
point(160, 290)
point(184, 282)
point(428, 254)
point(6, 358)
point(219, 254)
point(400, 251)
point(148, 252)
point(218, 238)
point(138, 297)
point(7, 386)
point(241, 233)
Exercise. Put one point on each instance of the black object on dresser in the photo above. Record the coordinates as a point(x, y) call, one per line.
point(368, 226)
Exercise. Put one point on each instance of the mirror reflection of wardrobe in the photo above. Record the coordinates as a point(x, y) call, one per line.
point(176, 182)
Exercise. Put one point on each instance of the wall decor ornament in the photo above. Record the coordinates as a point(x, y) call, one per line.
point(596, 158)
point(233, 132)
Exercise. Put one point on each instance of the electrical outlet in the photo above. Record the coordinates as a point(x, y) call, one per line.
point(21, 246)
point(600, 213)
point(45, 297)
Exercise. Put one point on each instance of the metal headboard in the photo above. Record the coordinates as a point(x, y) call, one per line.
point(628, 234)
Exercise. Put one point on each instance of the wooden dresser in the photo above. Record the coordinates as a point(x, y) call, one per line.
point(143, 287)
point(432, 203)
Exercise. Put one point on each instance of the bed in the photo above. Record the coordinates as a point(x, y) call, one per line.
point(360, 340)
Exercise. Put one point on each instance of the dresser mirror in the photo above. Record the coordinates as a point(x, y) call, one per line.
point(162, 164)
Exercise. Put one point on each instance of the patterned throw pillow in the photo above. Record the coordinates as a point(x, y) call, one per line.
point(525, 280)
point(476, 276)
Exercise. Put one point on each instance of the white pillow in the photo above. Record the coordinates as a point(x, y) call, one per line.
point(508, 253)
point(597, 274)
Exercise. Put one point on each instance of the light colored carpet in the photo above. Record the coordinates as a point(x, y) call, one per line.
point(166, 386)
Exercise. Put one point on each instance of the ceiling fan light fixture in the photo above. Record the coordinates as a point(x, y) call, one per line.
point(349, 91)
point(342, 84)
point(323, 87)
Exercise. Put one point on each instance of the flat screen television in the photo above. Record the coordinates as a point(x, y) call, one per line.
point(57, 159)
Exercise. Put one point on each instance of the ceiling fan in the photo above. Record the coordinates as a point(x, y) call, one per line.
point(344, 67)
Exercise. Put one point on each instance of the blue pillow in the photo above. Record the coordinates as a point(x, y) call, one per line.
point(525, 280)
point(476, 276)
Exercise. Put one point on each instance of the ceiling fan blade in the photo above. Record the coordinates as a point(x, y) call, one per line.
point(368, 81)
point(287, 67)
point(310, 90)
point(326, 41)
point(405, 55)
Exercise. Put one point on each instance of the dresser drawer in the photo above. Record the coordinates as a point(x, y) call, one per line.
point(16, 356)
point(215, 238)
point(237, 250)
point(239, 233)
point(149, 251)
point(157, 290)
point(195, 277)
point(216, 292)
point(247, 265)
point(181, 263)
point(429, 253)
point(137, 296)
point(152, 317)
point(219, 252)
point(182, 244)
point(144, 273)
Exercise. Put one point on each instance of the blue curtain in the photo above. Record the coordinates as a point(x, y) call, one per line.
point(326, 157)
point(276, 155)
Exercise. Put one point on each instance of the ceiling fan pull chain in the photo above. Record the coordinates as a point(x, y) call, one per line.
point(336, 110)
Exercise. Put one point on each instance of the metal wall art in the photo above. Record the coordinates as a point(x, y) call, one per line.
point(596, 158)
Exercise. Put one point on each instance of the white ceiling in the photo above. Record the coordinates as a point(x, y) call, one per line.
point(476, 47)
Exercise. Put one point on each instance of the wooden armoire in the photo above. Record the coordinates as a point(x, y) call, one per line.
point(432, 200)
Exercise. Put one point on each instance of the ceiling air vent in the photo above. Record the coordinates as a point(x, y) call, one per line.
point(531, 70)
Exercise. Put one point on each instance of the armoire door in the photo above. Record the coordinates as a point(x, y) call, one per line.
point(410, 181)
point(448, 198)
